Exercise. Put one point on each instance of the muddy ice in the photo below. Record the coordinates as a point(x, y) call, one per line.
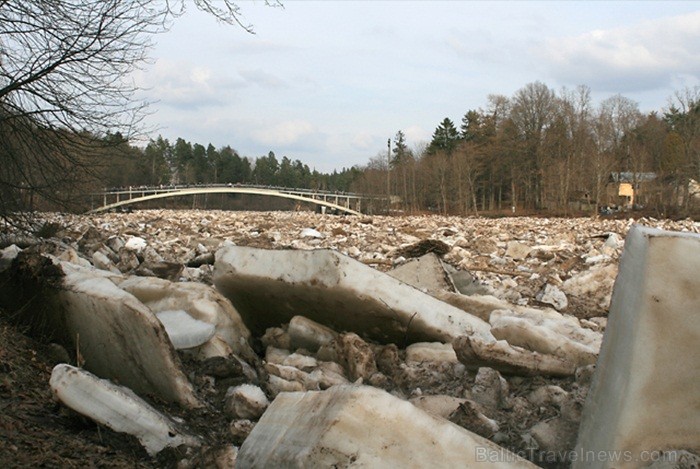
point(401, 341)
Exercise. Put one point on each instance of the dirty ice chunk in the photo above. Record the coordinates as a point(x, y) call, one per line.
point(556, 435)
point(118, 336)
point(308, 334)
point(136, 243)
point(269, 287)
point(203, 303)
point(103, 262)
point(426, 273)
point(7, 255)
point(644, 395)
point(613, 241)
point(517, 251)
point(185, 331)
point(362, 426)
point(551, 295)
point(430, 352)
point(440, 405)
point(595, 284)
point(499, 355)
point(311, 233)
point(541, 338)
point(468, 415)
point(116, 407)
point(246, 401)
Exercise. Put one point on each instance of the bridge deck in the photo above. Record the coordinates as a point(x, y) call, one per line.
point(328, 199)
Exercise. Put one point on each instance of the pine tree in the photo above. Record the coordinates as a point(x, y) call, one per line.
point(445, 137)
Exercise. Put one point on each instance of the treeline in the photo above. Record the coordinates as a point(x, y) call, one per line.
point(163, 163)
point(538, 150)
point(51, 170)
point(543, 150)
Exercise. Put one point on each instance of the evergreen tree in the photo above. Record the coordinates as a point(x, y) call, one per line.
point(266, 170)
point(199, 165)
point(158, 152)
point(400, 150)
point(213, 158)
point(182, 156)
point(445, 137)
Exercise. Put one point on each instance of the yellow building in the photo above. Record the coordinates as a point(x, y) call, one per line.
point(627, 189)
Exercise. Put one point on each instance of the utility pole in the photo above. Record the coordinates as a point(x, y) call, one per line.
point(388, 175)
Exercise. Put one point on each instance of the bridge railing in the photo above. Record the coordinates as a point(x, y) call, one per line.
point(178, 187)
point(335, 200)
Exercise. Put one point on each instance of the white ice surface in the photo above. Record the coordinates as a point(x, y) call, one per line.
point(185, 331)
point(116, 407)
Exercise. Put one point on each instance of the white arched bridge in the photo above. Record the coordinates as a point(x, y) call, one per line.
point(337, 201)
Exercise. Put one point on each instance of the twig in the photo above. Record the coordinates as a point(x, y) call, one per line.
point(376, 261)
point(78, 357)
point(498, 271)
point(405, 336)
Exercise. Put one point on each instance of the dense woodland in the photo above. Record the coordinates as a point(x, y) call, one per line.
point(181, 162)
point(538, 150)
point(548, 151)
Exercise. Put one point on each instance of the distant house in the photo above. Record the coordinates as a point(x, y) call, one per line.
point(694, 189)
point(627, 189)
point(693, 193)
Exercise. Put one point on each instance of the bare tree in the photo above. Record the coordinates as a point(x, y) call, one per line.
point(617, 117)
point(533, 112)
point(468, 167)
point(65, 86)
point(683, 117)
point(575, 112)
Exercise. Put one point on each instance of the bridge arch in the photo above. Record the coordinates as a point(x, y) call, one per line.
point(224, 190)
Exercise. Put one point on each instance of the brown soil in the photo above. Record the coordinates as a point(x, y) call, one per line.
point(35, 431)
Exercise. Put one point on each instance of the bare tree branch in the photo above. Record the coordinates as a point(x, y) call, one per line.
point(65, 86)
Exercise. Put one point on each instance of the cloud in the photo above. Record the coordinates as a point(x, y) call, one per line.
point(284, 133)
point(364, 140)
point(416, 134)
point(642, 57)
point(185, 86)
point(261, 78)
point(489, 48)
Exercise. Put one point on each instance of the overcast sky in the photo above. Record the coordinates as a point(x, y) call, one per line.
point(328, 82)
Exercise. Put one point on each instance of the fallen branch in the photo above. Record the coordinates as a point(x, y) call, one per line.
point(376, 261)
point(498, 271)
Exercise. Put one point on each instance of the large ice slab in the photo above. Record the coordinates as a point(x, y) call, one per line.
point(269, 287)
point(425, 273)
point(116, 407)
point(202, 303)
point(363, 426)
point(645, 394)
point(115, 335)
point(121, 339)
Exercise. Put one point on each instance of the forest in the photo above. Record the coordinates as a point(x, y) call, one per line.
point(161, 162)
point(543, 151)
point(538, 151)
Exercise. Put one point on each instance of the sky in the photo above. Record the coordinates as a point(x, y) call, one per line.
point(329, 82)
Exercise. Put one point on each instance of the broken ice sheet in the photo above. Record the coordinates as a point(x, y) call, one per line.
point(644, 395)
point(270, 287)
point(185, 331)
point(118, 337)
point(361, 426)
point(116, 407)
point(202, 303)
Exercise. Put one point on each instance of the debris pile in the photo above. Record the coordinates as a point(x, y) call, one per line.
point(386, 341)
